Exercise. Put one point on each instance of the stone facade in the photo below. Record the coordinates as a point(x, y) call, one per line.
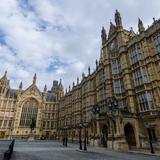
point(18, 107)
point(118, 104)
point(115, 106)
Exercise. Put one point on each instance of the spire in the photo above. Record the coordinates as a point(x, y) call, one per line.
point(140, 26)
point(89, 70)
point(118, 19)
point(45, 88)
point(20, 85)
point(34, 78)
point(83, 75)
point(73, 84)
point(103, 35)
point(5, 74)
point(60, 82)
point(69, 88)
point(77, 80)
point(96, 63)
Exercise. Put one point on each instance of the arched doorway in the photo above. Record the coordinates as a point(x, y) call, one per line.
point(104, 137)
point(130, 135)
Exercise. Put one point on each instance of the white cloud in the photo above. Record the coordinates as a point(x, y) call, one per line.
point(42, 31)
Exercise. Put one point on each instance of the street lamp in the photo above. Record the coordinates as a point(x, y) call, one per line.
point(85, 136)
point(63, 137)
point(150, 139)
point(112, 105)
point(150, 135)
point(80, 134)
point(66, 138)
point(96, 109)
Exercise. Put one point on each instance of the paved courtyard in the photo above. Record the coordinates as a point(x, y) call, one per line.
point(50, 150)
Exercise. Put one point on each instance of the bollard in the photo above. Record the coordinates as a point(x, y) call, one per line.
point(8, 153)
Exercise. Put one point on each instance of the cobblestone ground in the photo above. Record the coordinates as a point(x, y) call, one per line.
point(50, 150)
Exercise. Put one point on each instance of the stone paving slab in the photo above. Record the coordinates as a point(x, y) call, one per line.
point(42, 150)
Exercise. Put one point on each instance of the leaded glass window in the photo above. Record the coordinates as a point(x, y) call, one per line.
point(29, 111)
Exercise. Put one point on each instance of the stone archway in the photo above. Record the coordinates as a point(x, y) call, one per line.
point(130, 135)
point(104, 137)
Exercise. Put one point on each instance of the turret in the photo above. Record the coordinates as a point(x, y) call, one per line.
point(4, 84)
point(89, 70)
point(96, 63)
point(103, 35)
point(55, 86)
point(73, 84)
point(45, 88)
point(60, 89)
point(77, 80)
point(34, 78)
point(140, 26)
point(83, 75)
point(118, 19)
point(20, 85)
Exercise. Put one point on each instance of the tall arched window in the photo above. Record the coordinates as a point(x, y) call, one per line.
point(29, 111)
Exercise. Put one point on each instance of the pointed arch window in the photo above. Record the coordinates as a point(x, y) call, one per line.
point(29, 111)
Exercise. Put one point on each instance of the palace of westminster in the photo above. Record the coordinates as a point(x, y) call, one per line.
point(115, 106)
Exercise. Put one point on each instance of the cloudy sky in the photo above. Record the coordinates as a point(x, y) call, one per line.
point(60, 38)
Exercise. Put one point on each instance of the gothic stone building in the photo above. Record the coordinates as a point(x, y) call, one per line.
point(118, 104)
point(18, 107)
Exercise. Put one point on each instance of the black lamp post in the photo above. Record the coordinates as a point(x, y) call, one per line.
point(80, 138)
point(112, 105)
point(150, 139)
point(85, 136)
point(66, 138)
point(63, 138)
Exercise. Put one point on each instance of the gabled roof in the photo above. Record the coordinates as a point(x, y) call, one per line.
point(12, 93)
point(50, 97)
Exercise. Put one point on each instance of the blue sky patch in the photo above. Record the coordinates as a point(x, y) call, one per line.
point(24, 4)
point(2, 38)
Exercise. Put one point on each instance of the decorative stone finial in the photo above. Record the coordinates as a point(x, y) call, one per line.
point(77, 80)
point(60, 82)
point(103, 35)
point(5, 74)
point(34, 78)
point(20, 85)
point(89, 70)
point(96, 63)
point(140, 26)
point(45, 88)
point(83, 75)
